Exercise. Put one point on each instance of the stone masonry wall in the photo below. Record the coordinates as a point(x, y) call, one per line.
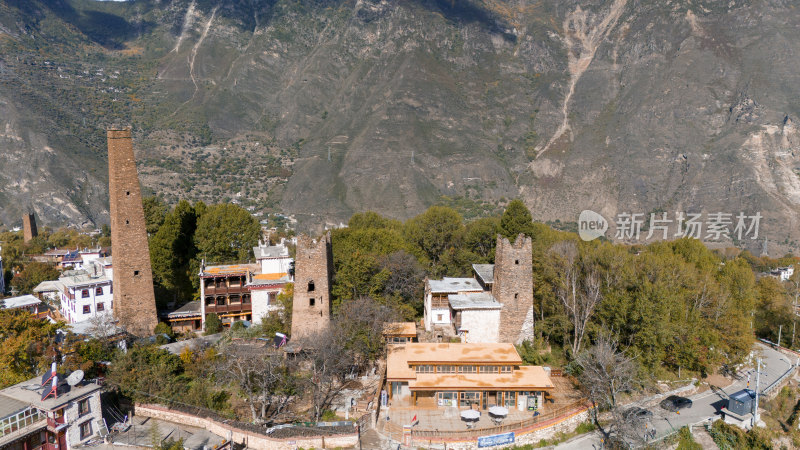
point(311, 306)
point(29, 230)
point(134, 300)
point(513, 288)
point(248, 438)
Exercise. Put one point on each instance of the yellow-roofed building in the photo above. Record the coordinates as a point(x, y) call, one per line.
point(476, 376)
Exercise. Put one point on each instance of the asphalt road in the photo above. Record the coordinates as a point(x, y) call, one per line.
point(705, 405)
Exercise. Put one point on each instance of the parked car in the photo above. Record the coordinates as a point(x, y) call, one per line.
point(636, 413)
point(675, 403)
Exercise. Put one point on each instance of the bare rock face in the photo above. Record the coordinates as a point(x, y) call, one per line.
point(327, 108)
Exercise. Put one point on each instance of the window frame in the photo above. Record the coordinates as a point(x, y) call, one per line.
point(81, 410)
point(88, 425)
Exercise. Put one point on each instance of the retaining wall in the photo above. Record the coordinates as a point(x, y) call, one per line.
point(245, 437)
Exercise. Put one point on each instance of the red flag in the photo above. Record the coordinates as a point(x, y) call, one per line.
point(414, 419)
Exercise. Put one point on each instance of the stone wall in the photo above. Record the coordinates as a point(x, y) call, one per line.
point(29, 230)
point(71, 417)
point(513, 288)
point(248, 438)
point(483, 325)
point(134, 299)
point(311, 306)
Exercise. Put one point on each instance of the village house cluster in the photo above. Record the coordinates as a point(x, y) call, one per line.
point(460, 354)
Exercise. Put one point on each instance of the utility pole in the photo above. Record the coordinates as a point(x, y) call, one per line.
point(755, 406)
point(780, 328)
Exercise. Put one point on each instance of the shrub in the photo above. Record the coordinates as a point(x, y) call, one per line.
point(213, 324)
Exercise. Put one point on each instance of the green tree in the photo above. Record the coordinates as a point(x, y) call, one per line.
point(480, 237)
point(172, 251)
point(213, 324)
point(34, 273)
point(155, 210)
point(370, 219)
point(433, 233)
point(226, 233)
point(26, 341)
point(516, 219)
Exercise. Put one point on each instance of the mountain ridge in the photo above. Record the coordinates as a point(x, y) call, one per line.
point(325, 108)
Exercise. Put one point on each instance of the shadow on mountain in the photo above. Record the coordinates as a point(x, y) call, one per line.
point(106, 29)
point(458, 11)
point(468, 12)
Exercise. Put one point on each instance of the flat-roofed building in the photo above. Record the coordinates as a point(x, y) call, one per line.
point(464, 375)
point(273, 259)
point(23, 303)
point(437, 304)
point(49, 290)
point(400, 332)
point(29, 420)
point(224, 292)
point(476, 316)
point(87, 293)
point(264, 290)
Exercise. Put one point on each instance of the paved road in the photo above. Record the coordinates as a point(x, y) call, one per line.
point(705, 405)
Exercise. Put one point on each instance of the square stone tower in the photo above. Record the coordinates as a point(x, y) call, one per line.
point(29, 230)
point(134, 300)
point(311, 307)
point(513, 288)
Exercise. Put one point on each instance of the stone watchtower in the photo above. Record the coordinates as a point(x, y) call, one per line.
point(29, 230)
point(513, 288)
point(134, 300)
point(311, 307)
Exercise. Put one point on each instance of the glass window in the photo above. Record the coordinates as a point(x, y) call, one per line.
point(98, 290)
point(86, 429)
point(467, 369)
point(446, 369)
point(469, 398)
point(245, 298)
point(506, 369)
point(101, 306)
point(87, 309)
point(424, 369)
point(83, 407)
point(487, 369)
point(447, 398)
point(85, 293)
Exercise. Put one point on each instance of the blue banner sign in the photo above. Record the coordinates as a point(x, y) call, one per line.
point(497, 439)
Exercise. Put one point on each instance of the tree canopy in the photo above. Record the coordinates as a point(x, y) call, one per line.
point(226, 233)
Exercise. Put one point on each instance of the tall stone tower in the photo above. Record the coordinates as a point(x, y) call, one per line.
point(513, 288)
point(29, 230)
point(134, 300)
point(311, 307)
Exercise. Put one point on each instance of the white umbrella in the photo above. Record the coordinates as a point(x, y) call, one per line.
point(470, 414)
point(498, 411)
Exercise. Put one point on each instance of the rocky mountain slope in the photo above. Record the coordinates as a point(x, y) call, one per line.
point(323, 108)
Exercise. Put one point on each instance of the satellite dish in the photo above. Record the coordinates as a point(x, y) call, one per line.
point(75, 377)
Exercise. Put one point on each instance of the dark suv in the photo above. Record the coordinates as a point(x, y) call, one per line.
point(675, 403)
